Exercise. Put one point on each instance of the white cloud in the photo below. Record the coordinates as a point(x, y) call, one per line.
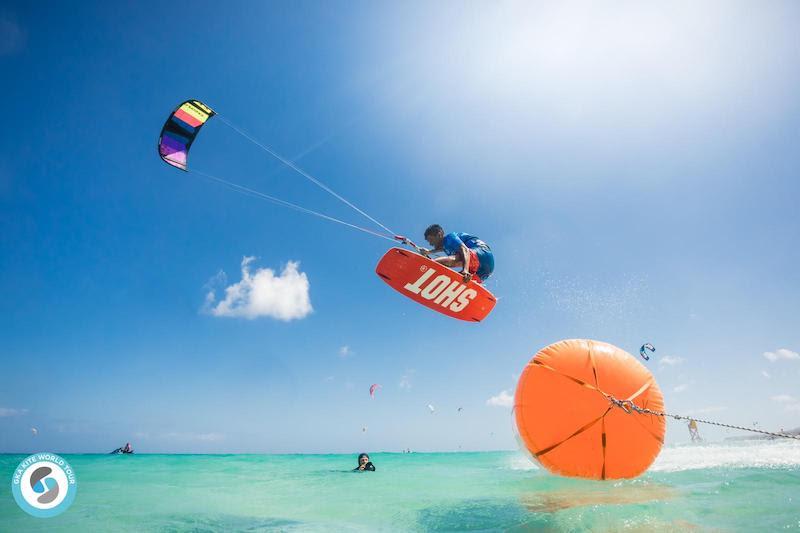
point(8, 411)
point(345, 352)
point(669, 360)
point(504, 399)
point(784, 398)
point(220, 279)
point(263, 293)
point(781, 353)
point(765, 374)
point(680, 388)
point(789, 402)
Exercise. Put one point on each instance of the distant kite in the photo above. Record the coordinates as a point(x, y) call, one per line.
point(644, 349)
point(374, 387)
point(431, 408)
point(460, 409)
point(34, 431)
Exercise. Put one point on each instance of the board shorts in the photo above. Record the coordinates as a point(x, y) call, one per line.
point(481, 263)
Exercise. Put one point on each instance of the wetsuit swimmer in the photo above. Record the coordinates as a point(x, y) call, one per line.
point(463, 250)
point(364, 464)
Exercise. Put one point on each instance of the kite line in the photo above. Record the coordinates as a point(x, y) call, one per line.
point(262, 196)
point(300, 171)
point(180, 131)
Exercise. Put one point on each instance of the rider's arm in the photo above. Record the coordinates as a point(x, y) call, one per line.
point(465, 258)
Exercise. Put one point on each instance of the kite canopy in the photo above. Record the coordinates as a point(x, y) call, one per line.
point(644, 349)
point(180, 130)
point(565, 419)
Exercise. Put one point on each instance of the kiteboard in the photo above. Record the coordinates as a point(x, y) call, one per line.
point(435, 286)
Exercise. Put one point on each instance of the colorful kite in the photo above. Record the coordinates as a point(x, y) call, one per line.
point(180, 130)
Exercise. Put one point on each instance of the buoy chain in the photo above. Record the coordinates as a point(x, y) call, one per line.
point(628, 406)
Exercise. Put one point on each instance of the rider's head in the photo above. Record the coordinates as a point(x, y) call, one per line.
point(434, 235)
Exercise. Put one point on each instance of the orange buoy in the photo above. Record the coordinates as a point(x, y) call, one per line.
point(565, 419)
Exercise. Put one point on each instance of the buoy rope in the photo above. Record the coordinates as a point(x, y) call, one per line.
point(629, 407)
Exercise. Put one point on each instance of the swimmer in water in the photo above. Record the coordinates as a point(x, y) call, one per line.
point(364, 464)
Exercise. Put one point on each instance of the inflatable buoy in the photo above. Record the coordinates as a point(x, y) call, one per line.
point(566, 419)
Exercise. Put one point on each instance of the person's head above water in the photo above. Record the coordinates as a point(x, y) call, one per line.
point(364, 463)
point(434, 234)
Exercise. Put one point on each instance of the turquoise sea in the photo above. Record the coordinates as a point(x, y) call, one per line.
point(741, 486)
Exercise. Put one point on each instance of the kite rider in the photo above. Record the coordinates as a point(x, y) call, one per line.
point(124, 449)
point(463, 250)
point(693, 432)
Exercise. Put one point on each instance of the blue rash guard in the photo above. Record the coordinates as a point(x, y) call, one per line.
point(452, 246)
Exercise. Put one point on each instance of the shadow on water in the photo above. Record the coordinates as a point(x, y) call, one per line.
point(480, 515)
point(203, 524)
point(558, 500)
point(600, 507)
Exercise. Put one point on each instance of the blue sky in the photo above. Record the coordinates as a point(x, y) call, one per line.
point(633, 165)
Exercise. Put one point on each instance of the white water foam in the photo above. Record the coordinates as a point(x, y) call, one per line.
point(520, 461)
point(742, 454)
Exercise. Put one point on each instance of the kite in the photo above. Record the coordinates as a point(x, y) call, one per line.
point(644, 349)
point(180, 130)
point(374, 387)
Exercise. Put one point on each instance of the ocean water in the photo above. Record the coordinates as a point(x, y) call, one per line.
point(742, 486)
